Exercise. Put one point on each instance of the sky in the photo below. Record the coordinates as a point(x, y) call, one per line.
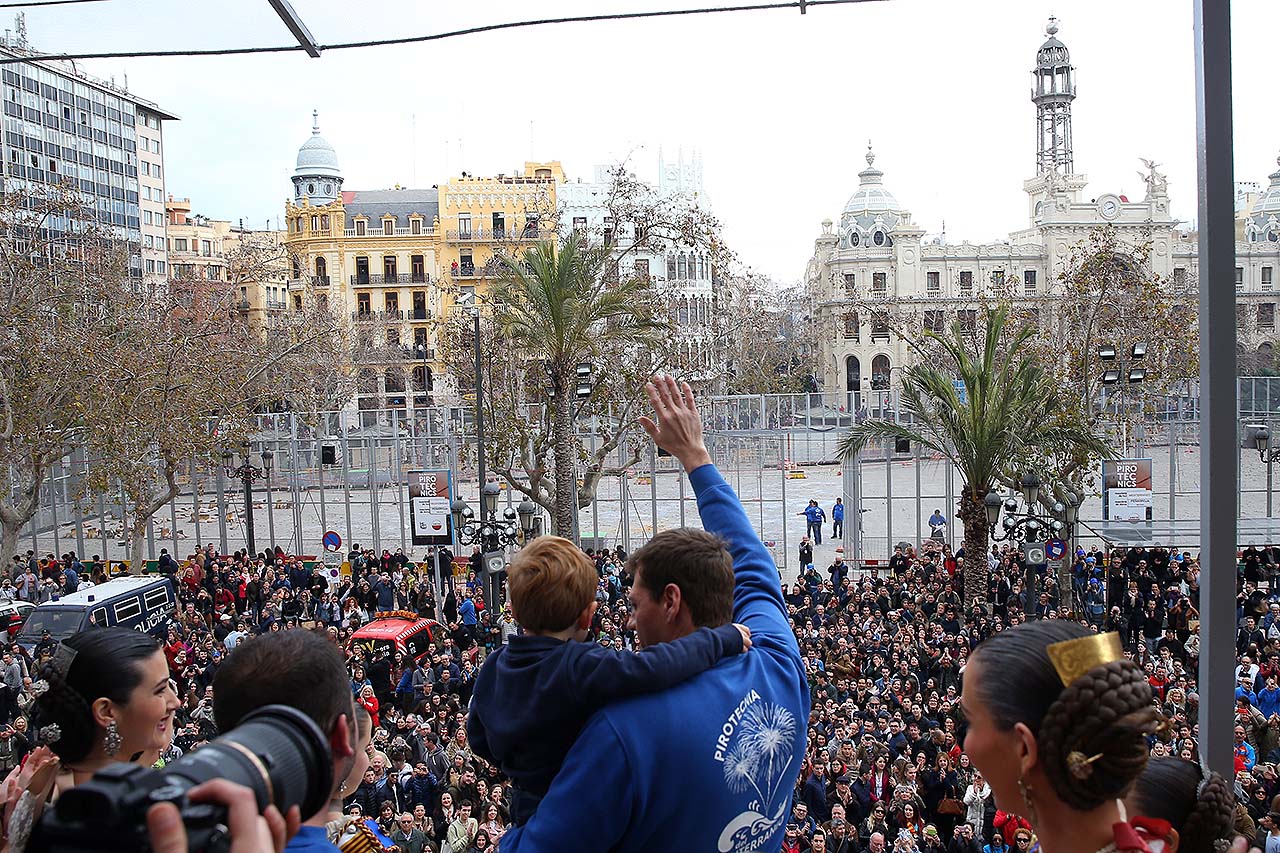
point(780, 105)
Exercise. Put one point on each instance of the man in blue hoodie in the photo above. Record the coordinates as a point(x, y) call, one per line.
point(708, 765)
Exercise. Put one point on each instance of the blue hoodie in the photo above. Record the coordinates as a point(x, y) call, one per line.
point(709, 765)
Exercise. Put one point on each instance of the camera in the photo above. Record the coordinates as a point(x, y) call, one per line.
point(277, 752)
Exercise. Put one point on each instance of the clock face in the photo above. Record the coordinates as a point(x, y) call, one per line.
point(1109, 208)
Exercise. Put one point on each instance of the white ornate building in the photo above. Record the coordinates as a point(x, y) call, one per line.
point(876, 254)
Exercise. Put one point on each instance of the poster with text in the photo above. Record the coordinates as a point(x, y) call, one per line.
point(1126, 489)
point(429, 497)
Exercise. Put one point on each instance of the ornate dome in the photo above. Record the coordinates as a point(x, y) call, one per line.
point(870, 210)
point(1053, 52)
point(316, 157)
point(1264, 220)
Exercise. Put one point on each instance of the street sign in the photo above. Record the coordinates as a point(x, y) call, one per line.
point(1055, 548)
point(333, 567)
point(1033, 553)
point(962, 391)
point(332, 541)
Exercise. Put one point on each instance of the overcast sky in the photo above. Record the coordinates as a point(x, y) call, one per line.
point(780, 105)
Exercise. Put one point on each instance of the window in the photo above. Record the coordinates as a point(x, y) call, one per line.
point(499, 225)
point(322, 301)
point(389, 269)
point(1266, 278)
point(130, 608)
point(966, 282)
point(206, 248)
point(415, 226)
point(879, 238)
point(1029, 282)
point(932, 285)
point(392, 301)
point(362, 303)
point(315, 223)
point(417, 267)
point(851, 329)
point(464, 227)
point(671, 268)
point(179, 244)
point(1180, 279)
point(579, 223)
point(682, 267)
point(359, 227)
point(879, 330)
point(879, 283)
point(1239, 278)
point(933, 321)
point(297, 302)
point(311, 189)
point(850, 283)
point(324, 222)
point(997, 279)
point(388, 227)
point(968, 318)
point(154, 599)
point(642, 269)
point(1267, 315)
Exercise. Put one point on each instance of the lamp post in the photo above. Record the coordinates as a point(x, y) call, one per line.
point(247, 472)
point(1115, 369)
point(491, 534)
point(1024, 527)
point(1267, 454)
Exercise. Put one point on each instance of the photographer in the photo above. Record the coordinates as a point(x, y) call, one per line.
point(302, 670)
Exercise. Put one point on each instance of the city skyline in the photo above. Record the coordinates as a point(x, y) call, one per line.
point(954, 156)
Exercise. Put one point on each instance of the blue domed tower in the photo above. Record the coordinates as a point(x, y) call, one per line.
point(316, 176)
point(1263, 225)
point(872, 212)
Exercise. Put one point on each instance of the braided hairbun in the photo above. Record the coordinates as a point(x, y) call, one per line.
point(1093, 737)
point(1213, 818)
point(62, 705)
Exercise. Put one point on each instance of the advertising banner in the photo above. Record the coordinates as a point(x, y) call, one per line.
point(429, 498)
point(1126, 489)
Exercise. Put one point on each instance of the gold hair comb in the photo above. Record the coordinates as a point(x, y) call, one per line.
point(1073, 658)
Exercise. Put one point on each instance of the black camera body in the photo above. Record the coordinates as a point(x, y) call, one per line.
point(277, 752)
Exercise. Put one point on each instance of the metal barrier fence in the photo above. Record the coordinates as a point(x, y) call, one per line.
point(777, 451)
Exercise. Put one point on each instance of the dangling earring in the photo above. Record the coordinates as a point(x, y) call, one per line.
point(342, 786)
point(111, 743)
point(1027, 794)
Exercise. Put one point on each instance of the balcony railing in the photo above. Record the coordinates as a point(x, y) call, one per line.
point(276, 305)
point(377, 231)
point(395, 278)
point(313, 280)
point(484, 235)
point(376, 316)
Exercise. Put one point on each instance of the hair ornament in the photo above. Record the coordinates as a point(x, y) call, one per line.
point(1074, 658)
point(39, 688)
point(51, 733)
point(1079, 766)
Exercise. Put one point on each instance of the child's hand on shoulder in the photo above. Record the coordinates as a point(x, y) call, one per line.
point(746, 635)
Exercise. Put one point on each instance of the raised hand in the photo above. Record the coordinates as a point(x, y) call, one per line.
point(678, 428)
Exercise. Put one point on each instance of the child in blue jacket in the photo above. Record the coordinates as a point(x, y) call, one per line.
point(534, 695)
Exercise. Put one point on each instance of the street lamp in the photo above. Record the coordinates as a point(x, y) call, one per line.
point(1024, 527)
point(492, 534)
point(247, 472)
point(1267, 454)
point(426, 373)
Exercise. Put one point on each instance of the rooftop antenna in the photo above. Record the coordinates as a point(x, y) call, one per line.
point(20, 27)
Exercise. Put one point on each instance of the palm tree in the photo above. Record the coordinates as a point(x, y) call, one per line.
point(560, 307)
point(1008, 414)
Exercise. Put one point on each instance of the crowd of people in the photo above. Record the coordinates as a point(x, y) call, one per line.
point(902, 676)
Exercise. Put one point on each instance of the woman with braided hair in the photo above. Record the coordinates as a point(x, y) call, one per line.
point(1058, 722)
point(1199, 807)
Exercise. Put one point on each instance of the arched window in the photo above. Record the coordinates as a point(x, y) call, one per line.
point(328, 188)
point(682, 313)
point(854, 238)
point(322, 268)
point(671, 269)
point(852, 373)
point(878, 238)
point(682, 267)
point(324, 222)
point(880, 372)
point(311, 189)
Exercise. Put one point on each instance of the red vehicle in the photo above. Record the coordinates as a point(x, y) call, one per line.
point(397, 631)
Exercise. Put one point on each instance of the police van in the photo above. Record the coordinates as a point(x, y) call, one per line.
point(144, 604)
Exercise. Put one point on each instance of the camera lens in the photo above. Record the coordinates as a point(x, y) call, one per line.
point(277, 751)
